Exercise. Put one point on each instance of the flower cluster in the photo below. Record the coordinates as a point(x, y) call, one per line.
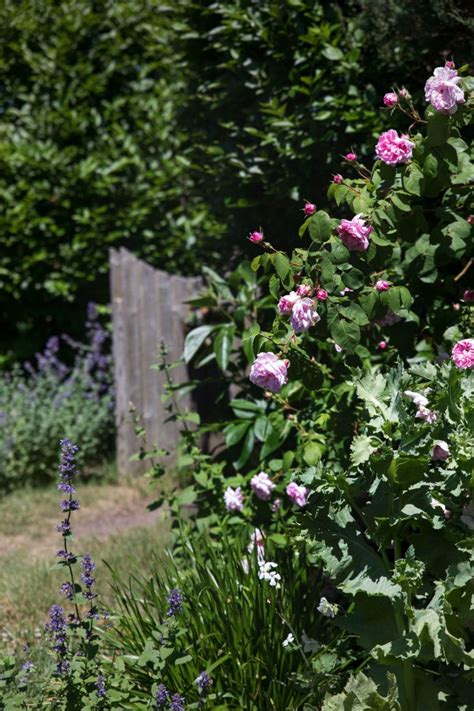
point(175, 602)
point(234, 499)
point(421, 402)
point(87, 578)
point(267, 570)
point(297, 494)
point(56, 628)
point(327, 608)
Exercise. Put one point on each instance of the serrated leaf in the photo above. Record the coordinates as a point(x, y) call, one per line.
point(361, 449)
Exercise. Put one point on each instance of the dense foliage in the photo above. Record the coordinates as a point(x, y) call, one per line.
point(365, 420)
point(174, 130)
point(39, 403)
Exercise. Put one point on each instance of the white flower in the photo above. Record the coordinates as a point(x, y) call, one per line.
point(435, 503)
point(266, 572)
point(419, 399)
point(233, 499)
point(245, 565)
point(327, 608)
point(289, 640)
point(423, 413)
point(256, 539)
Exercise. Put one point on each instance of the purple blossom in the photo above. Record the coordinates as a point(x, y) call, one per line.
point(177, 703)
point(87, 578)
point(161, 696)
point(100, 686)
point(64, 528)
point(204, 682)
point(56, 627)
point(175, 602)
point(27, 666)
point(67, 589)
point(65, 555)
point(69, 505)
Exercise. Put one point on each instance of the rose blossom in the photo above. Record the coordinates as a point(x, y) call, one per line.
point(297, 494)
point(303, 290)
point(233, 499)
point(256, 237)
point(287, 302)
point(468, 296)
point(350, 156)
point(393, 149)
point(355, 233)
point(440, 450)
point(404, 93)
point(309, 209)
point(390, 99)
point(463, 354)
point(321, 294)
point(442, 90)
point(304, 315)
point(269, 372)
point(276, 505)
point(381, 285)
point(337, 178)
point(383, 345)
point(262, 485)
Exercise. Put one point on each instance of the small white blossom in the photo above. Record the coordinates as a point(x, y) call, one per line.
point(419, 399)
point(327, 608)
point(289, 640)
point(266, 572)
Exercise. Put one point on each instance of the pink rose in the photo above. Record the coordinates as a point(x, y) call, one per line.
point(404, 93)
point(393, 149)
point(355, 233)
point(287, 302)
point(350, 156)
point(470, 220)
point(309, 209)
point(390, 99)
point(381, 285)
point(297, 494)
point(468, 296)
point(303, 290)
point(442, 90)
point(276, 505)
point(463, 354)
point(321, 294)
point(269, 372)
point(440, 451)
point(383, 345)
point(304, 315)
point(256, 237)
point(233, 499)
point(262, 485)
point(337, 178)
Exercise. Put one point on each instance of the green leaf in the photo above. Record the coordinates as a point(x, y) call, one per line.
point(361, 449)
point(430, 167)
point(438, 129)
point(282, 265)
point(247, 450)
point(194, 341)
point(234, 432)
point(413, 182)
point(312, 453)
point(361, 694)
point(334, 54)
point(223, 345)
point(346, 334)
point(320, 229)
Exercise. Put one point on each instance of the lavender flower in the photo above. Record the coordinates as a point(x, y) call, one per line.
point(67, 466)
point(69, 505)
point(87, 578)
point(100, 686)
point(204, 683)
point(177, 703)
point(67, 589)
point(56, 627)
point(65, 555)
point(27, 666)
point(161, 696)
point(64, 528)
point(175, 602)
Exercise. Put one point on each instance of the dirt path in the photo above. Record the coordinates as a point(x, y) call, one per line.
point(105, 511)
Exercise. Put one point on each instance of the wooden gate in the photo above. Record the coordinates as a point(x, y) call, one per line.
point(147, 307)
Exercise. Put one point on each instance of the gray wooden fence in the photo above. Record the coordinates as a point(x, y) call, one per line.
point(147, 307)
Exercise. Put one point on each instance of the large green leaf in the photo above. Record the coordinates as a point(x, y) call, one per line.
point(194, 341)
point(320, 227)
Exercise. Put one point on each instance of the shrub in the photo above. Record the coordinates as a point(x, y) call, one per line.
point(39, 404)
point(356, 411)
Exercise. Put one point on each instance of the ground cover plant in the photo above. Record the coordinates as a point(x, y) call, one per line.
point(68, 388)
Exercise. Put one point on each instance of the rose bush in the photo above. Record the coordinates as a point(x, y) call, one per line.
point(363, 419)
